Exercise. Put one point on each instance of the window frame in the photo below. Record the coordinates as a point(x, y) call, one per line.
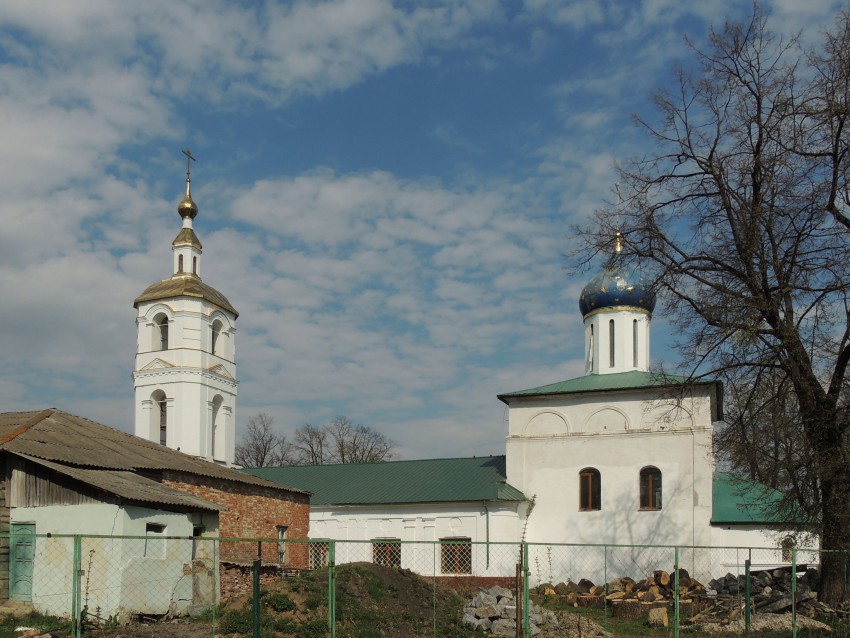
point(593, 502)
point(456, 555)
point(386, 552)
point(650, 497)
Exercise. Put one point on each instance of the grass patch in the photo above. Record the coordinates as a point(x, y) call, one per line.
point(33, 619)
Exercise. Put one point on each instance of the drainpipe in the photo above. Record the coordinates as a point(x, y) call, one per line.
point(487, 532)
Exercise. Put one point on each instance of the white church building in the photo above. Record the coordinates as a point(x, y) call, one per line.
point(621, 456)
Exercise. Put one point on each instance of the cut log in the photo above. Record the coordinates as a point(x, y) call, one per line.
point(661, 578)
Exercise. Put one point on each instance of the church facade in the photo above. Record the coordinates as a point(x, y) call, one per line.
point(619, 456)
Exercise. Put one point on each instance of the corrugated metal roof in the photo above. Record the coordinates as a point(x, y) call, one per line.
point(737, 500)
point(605, 383)
point(64, 438)
point(184, 286)
point(397, 482)
point(129, 486)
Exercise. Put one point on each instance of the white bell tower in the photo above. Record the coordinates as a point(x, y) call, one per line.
point(185, 372)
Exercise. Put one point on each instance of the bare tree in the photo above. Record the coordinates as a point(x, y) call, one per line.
point(311, 443)
point(353, 443)
point(261, 446)
point(341, 441)
point(740, 216)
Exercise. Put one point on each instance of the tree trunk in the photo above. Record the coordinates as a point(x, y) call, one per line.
point(835, 540)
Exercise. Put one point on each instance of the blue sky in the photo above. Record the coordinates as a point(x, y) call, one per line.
point(386, 191)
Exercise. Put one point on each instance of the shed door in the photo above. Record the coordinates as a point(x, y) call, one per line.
point(21, 553)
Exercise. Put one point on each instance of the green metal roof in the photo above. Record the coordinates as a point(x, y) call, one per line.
point(398, 482)
point(737, 500)
point(603, 383)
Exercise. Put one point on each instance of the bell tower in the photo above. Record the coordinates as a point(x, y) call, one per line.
point(185, 371)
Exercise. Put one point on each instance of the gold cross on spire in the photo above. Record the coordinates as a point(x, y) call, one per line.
point(189, 159)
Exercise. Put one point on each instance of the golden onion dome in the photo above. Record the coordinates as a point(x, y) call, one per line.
point(187, 206)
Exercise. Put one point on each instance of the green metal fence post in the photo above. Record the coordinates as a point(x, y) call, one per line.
point(255, 570)
point(332, 588)
point(606, 592)
point(526, 625)
point(794, 592)
point(216, 585)
point(747, 594)
point(676, 592)
point(76, 609)
point(434, 597)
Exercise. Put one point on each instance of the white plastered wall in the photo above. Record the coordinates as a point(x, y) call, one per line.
point(120, 576)
point(493, 529)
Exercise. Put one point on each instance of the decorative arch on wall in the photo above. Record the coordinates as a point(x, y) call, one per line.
point(546, 422)
point(668, 414)
point(155, 327)
point(607, 419)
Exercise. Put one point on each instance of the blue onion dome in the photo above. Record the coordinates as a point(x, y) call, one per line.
point(617, 286)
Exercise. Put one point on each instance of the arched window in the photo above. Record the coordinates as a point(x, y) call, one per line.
point(650, 488)
point(179, 263)
point(161, 321)
point(635, 342)
point(194, 265)
point(590, 349)
point(611, 340)
point(216, 334)
point(160, 415)
point(589, 490)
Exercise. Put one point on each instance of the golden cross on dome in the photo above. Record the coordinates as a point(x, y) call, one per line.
point(189, 159)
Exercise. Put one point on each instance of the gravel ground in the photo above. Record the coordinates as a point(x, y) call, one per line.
point(766, 622)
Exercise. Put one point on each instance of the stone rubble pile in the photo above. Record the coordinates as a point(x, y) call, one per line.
point(720, 602)
point(495, 610)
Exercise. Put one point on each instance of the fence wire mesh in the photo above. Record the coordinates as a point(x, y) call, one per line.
point(390, 587)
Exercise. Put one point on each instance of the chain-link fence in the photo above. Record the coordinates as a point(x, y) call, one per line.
point(390, 587)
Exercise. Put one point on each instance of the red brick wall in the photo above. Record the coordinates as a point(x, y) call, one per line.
point(252, 512)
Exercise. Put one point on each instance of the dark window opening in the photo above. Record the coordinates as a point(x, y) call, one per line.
point(590, 490)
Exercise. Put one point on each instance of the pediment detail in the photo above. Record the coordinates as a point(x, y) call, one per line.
point(221, 371)
point(157, 364)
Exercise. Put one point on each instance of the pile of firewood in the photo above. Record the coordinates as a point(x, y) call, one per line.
point(628, 597)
